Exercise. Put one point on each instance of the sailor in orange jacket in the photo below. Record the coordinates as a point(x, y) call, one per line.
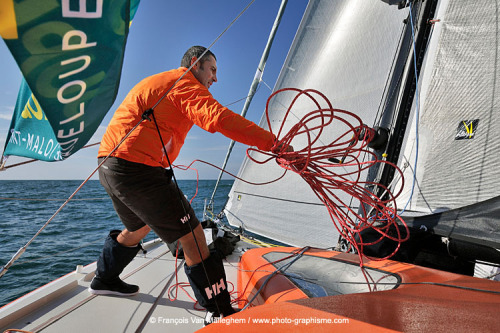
point(140, 187)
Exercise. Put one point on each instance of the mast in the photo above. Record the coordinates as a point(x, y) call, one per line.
point(403, 113)
point(253, 87)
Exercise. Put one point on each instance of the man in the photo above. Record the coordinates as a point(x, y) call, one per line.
point(140, 187)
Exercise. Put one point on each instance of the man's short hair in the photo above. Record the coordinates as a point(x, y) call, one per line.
point(196, 51)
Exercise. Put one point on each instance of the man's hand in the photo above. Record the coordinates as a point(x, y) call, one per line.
point(289, 148)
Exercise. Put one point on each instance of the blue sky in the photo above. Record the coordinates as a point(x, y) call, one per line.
point(160, 34)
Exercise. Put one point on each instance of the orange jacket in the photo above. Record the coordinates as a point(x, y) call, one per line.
point(188, 103)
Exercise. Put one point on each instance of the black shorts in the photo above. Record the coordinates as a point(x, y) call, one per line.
point(144, 195)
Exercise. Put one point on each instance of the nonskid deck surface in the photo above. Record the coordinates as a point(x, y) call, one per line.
point(65, 305)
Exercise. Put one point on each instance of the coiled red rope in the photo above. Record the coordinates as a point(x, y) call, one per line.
point(337, 165)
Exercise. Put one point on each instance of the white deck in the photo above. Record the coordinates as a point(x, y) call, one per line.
point(65, 305)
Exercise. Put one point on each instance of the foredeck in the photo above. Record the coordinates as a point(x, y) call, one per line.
point(65, 305)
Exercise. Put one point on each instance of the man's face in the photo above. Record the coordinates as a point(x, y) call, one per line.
point(206, 73)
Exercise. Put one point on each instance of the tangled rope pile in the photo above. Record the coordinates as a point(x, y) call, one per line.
point(338, 165)
point(328, 168)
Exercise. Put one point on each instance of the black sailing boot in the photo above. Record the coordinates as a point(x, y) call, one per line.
point(113, 259)
point(215, 297)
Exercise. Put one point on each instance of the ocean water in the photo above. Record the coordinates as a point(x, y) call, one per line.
point(75, 236)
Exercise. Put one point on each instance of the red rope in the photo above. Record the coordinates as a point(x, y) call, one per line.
point(338, 165)
point(333, 166)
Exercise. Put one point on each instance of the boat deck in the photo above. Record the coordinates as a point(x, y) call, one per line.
point(65, 305)
point(425, 300)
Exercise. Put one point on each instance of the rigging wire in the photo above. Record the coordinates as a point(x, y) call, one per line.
point(243, 98)
point(201, 56)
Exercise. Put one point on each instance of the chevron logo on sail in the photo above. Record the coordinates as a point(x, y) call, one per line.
point(466, 129)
